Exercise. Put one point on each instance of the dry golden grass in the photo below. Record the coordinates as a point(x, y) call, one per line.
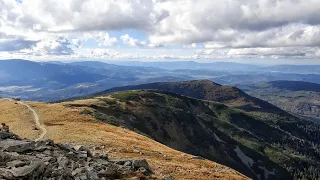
point(18, 118)
point(66, 124)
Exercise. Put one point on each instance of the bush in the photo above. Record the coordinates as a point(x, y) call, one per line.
point(109, 101)
point(85, 112)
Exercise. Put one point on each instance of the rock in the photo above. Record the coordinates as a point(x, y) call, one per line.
point(168, 177)
point(83, 154)
point(78, 171)
point(16, 163)
point(92, 175)
point(11, 145)
point(63, 162)
point(104, 156)
point(138, 163)
point(22, 159)
point(83, 149)
point(79, 148)
point(5, 173)
point(143, 170)
point(197, 157)
point(136, 151)
point(7, 135)
point(128, 163)
point(97, 148)
point(34, 169)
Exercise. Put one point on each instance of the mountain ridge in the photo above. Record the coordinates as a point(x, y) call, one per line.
point(207, 90)
point(215, 131)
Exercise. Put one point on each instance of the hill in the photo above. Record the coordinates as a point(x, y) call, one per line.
point(261, 145)
point(298, 97)
point(207, 90)
point(69, 123)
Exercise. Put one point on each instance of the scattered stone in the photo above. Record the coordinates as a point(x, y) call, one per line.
point(168, 177)
point(22, 159)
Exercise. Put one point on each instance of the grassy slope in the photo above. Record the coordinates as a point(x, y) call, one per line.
point(18, 117)
point(277, 142)
point(67, 124)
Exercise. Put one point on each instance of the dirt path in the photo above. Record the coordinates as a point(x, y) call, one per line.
point(36, 118)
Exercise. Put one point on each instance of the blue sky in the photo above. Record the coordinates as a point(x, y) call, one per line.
point(200, 30)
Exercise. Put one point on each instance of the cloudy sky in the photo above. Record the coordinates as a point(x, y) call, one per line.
point(260, 31)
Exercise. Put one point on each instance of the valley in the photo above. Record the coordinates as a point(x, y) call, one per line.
point(299, 98)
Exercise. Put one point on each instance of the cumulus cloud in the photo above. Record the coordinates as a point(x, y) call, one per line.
point(126, 39)
point(104, 39)
point(59, 46)
point(225, 28)
point(204, 21)
point(89, 15)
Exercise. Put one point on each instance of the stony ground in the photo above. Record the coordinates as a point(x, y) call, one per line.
point(25, 159)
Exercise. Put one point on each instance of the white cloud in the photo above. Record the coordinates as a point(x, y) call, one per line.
point(126, 39)
point(226, 28)
point(104, 39)
point(204, 21)
point(193, 45)
point(89, 15)
point(77, 42)
point(58, 46)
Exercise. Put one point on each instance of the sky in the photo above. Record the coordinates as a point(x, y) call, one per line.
point(256, 31)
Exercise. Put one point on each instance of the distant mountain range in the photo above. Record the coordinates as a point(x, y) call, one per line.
point(52, 81)
point(26, 73)
point(225, 66)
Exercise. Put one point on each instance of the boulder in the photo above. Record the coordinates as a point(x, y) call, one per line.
point(138, 163)
point(7, 135)
point(11, 145)
point(16, 163)
point(33, 170)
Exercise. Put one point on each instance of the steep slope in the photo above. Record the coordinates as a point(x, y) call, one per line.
point(207, 90)
point(69, 122)
point(297, 97)
point(262, 145)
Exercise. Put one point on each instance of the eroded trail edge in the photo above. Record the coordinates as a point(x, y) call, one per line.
point(37, 121)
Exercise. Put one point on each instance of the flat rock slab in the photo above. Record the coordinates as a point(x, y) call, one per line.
point(11, 145)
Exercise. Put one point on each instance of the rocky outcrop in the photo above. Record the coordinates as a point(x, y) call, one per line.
point(24, 159)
